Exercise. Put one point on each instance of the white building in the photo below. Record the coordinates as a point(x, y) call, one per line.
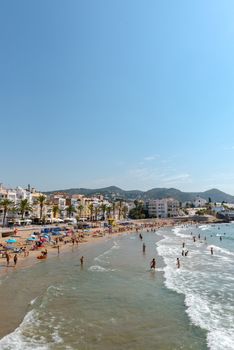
point(199, 202)
point(163, 208)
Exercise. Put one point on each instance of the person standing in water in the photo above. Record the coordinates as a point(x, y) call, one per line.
point(178, 263)
point(8, 259)
point(143, 248)
point(82, 260)
point(153, 264)
point(212, 251)
point(140, 236)
point(15, 259)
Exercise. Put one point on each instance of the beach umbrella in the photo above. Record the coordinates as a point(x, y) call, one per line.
point(11, 240)
point(47, 237)
point(31, 239)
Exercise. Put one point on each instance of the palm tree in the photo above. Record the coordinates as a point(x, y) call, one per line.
point(23, 207)
point(108, 211)
point(125, 211)
point(96, 212)
point(55, 210)
point(103, 209)
point(70, 209)
point(80, 209)
point(120, 208)
point(6, 204)
point(91, 208)
point(41, 201)
point(113, 209)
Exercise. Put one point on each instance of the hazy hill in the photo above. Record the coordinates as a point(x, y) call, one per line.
point(155, 193)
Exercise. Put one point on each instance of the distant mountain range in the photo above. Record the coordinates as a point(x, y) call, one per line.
point(155, 193)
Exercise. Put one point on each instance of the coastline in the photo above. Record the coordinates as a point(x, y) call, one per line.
point(31, 259)
point(30, 263)
point(34, 295)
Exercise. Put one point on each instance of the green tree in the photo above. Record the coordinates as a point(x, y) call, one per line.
point(7, 205)
point(41, 201)
point(80, 210)
point(70, 210)
point(138, 212)
point(113, 209)
point(91, 210)
point(23, 207)
point(120, 206)
point(125, 211)
point(103, 209)
point(108, 212)
point(96, 212)
point(55, 210)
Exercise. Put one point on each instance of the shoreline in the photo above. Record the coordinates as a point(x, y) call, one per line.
point(95, 248)
point(30, 263)
point(31, 260)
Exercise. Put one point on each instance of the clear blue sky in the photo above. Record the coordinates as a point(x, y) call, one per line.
point(137, 94)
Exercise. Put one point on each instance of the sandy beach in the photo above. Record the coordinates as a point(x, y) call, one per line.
point(73, 238)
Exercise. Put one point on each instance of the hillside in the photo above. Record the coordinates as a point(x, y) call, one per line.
point(155, 193)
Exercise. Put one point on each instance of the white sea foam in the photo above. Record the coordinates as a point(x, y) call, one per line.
point(220, 250)
point(99, 268)
point(207, 283)
point(56, 337)
point(104, 258)
point(21, 338)
point(33, 301)
point(116, 245)
point(205, 227)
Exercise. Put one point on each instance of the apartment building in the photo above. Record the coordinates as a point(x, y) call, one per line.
point(163, 208)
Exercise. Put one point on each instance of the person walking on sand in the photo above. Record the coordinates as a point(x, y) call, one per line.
point(58, 249)
point(15, 259)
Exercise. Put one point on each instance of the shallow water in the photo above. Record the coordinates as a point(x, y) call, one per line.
point(114, 302)
point(206, 281)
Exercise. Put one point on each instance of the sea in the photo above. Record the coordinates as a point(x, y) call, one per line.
point(115, 301)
